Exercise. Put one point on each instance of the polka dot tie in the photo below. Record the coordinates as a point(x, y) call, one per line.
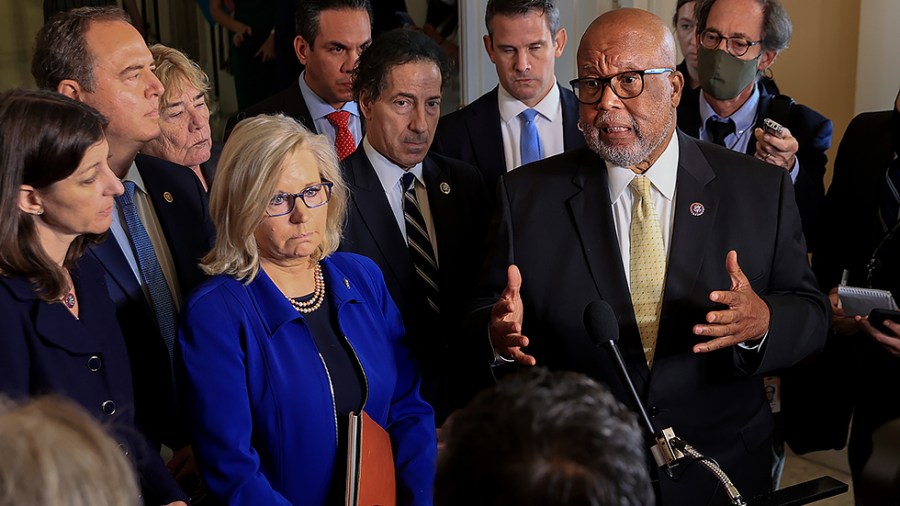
point(344, 143)
point(648, 265)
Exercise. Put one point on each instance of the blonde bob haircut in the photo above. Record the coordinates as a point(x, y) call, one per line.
point(249, 169)
point(176, 71)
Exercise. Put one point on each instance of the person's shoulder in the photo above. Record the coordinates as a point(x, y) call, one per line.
point(867, 121)
point(155, 169)
point(213, 290)
point(451, 164)
point(357, 269)
point(477, 107)
point(561, 165)
point(729, 165)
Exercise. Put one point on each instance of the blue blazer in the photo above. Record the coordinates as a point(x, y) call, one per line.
point(46, 350)
point(262, 411)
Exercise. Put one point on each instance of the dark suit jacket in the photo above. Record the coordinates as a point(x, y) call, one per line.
point(813, 133)
point(460, 217)
point(45, 350)
point(472, 134)
point(289, 102)
point(851, 212)
point(554, 221)
point(189, 234)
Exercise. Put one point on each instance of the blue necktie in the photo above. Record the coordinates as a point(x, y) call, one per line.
point(148, 265)
point(531, 140)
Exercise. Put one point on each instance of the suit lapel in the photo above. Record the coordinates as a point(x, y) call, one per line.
point(441, 202)
point(483, 125)
point(376, 214)
point(696, 206)
point(113, 261)
point(592, 214)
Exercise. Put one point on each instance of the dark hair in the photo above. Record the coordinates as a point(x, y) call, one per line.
point(60, 48)
point(520, 8)
point(540, 438)
point(306, 17)
point(391, 49)
point(678, 6)
point(43, 138)
point(777, 27)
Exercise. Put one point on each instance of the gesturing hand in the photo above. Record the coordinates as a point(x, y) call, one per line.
point(746, 318)
point(506, 321)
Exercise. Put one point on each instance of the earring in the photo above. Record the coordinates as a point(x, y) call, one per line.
point(39, 212)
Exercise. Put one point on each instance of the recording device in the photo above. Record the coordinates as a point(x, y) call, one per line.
point(878, 316)
point(773, 127)
point(603, 329)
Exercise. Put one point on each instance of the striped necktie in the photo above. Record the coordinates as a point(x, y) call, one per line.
point(648, 265)
point(420, 248)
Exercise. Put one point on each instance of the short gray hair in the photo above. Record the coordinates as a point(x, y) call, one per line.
point(777, 26)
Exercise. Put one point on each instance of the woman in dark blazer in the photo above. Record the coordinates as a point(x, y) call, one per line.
point(289, 337)
point(59, 327)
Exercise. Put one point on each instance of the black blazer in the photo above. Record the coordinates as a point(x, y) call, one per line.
point(813, 133)
point(45, 350)
point(472, 134)
point(289, 102)
point(189, 233)
point(460, 215)
point(554, 221)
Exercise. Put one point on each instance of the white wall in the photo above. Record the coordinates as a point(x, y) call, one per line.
point(878, 61)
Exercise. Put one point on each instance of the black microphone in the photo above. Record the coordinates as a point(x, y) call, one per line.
point(603, 329)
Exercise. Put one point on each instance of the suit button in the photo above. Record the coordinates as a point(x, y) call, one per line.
point(653, 411)
point(108, 407)
point(94, 363)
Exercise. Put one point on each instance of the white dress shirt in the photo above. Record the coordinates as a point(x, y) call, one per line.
point(549, 123)
point(389, 173)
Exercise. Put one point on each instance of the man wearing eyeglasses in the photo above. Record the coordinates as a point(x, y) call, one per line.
point(696, 248)
point(737, 41)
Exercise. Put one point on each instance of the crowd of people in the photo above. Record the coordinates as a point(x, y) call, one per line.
point(211, 317)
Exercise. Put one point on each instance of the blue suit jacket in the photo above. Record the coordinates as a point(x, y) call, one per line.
point(472, 134)
point(46, 350)
point(263, 416)
point(189, 234)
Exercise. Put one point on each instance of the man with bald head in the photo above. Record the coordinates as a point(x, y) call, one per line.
point(697, 249)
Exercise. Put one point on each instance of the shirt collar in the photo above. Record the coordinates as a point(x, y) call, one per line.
point(318, 108)
point(662, 173)
point(511, 107)
point(744, 117)
point(134, 175)
point(388, 172)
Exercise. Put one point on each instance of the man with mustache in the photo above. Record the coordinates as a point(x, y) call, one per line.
point(738, 40)
point(331, 34)
point(422, 218)
point(528, 116)
point(696, 248)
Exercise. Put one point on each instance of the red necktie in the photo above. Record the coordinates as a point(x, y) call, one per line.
point(344, 143)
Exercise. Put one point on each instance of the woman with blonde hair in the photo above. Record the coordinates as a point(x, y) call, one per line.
point(289, 337)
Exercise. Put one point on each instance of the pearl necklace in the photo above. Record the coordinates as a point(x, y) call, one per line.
point(318, 297)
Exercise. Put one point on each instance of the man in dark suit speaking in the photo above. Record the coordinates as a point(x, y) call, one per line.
point(422, 219)
point(527, 117)
point(697, 249)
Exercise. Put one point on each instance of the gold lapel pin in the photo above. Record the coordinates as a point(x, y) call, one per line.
point(168, 196)
point(347, 283)
point(445, 188)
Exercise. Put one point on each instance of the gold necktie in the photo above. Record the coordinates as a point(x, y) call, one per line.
point(648, 265)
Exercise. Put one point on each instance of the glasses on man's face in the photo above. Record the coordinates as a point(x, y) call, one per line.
point(736, 46)
point(313, 196)
point(589, 90)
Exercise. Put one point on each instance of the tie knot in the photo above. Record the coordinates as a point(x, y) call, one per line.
point(528, 115)
point(408, 180)
point(127, 198)
point(641, 186)
point(339, 119)
point(718, 130)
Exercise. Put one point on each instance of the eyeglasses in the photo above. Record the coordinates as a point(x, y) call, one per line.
point(588, 90)
point(737, 46)
point(313, 196)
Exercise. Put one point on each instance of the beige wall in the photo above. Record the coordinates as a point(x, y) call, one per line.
point(818, 69)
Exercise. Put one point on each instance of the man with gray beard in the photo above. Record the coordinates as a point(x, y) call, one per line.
point(698, 250)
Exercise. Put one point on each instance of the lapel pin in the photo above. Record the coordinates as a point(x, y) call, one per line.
point(168, 196)
point(347, 283)
point(445, 188)
point(697, 209)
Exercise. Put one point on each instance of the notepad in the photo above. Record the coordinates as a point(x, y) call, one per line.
point(861, 301)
